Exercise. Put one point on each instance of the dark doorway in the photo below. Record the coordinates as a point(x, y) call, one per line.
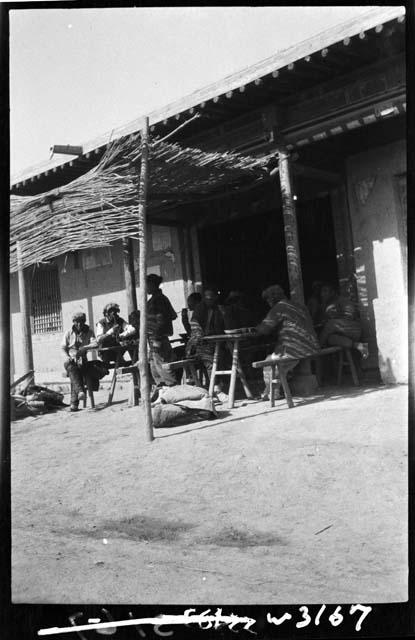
point(249, 253)
point(246, 254)
point(317, 242)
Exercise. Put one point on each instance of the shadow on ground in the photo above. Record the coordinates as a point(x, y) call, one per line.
point(137, 528)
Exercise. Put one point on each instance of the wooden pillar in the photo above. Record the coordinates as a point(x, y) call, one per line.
point(142, 240)
point(188, 261)
point(24, 314)
point(304, 382)
point(290, 227)
point(129, 275)
point(197, 270)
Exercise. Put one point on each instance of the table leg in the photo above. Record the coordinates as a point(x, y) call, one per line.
point(242, 378)
point(234, 369)
point(214, 369)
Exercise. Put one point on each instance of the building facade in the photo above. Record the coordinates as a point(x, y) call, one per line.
point(337, 105)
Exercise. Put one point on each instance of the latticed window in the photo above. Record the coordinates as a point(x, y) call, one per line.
point(46, 300)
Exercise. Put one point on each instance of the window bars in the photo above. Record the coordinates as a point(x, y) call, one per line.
point(46, 300)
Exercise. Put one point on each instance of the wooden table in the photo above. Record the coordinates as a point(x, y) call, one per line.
point(235, 370)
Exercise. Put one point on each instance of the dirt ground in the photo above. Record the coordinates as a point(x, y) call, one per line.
point(259, 506)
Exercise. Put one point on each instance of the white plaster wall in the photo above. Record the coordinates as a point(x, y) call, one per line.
point(380, 257)
point(89, 290)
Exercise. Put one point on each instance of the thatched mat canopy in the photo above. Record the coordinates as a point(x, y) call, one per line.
point(101, 206)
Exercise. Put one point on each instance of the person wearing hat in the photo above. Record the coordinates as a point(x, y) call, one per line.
point(290, 324)
point(160, 316)
point(111, 329)
point(74, 340)
point(237, 313)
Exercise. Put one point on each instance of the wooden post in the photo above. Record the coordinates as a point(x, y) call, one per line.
point(187, 259)
point(194, 243)
point(24, 313)
point(142, 240)
point(290, 227)
point(129, 275)
point(305, 382)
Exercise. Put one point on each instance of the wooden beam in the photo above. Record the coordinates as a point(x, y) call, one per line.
point(129, 274)
point(142, 241)
point(313, 64)
point(317, 174)
point(24, 313)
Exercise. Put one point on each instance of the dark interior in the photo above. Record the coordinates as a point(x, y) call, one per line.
point(249, 254)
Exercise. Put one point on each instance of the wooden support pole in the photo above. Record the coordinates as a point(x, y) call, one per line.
point(196, 258)
point(129, 275)
point(142, 240)
point(187, 258)
point(290, 227)
point(24, 313)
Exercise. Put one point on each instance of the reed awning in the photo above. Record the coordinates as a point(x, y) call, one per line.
point(101, 206)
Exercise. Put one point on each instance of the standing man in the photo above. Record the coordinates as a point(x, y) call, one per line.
point(160, 314)
point(291, 325)
point(79, 336)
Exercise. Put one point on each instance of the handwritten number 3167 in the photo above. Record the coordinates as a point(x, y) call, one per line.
point(335, 618)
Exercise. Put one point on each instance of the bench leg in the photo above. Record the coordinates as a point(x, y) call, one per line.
point(272, 386)
point(282, 374)
point(214, 369)
point(193, 374)
point(90, 394)
point(134, 389)
point(112, 387)
point(319, 371)
point(340, 368)
point(234, 370)
point(352, 367)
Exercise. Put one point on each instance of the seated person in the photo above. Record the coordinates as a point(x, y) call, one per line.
point(341, 324)
point(160, 316)
point(110, 330)
point(237, 313)
point(80, 335)
point(134, 321)
point(207, 320)
point(192, 301)
point(290, 324)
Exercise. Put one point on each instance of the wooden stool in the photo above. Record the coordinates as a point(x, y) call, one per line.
point(135, 380)
point(347, 363)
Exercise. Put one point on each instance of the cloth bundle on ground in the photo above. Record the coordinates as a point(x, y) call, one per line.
point(182, 404)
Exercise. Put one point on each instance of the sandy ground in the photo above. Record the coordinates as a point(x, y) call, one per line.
point(224, 511)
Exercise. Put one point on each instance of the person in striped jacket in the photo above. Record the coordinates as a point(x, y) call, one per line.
point(290, 324)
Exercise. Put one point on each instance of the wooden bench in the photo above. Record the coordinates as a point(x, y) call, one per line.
point(135, 380)
point(189, 366)
point(278, 363)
